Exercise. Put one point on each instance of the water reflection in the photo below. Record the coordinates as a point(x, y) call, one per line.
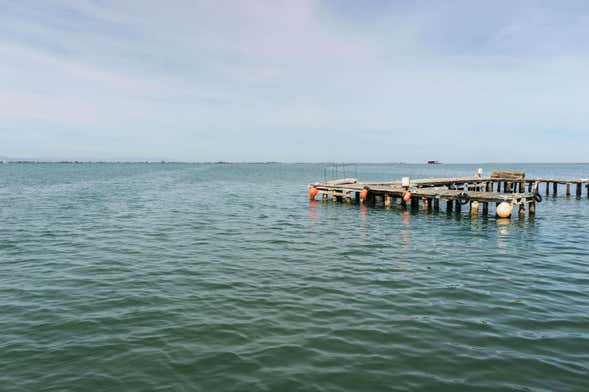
point(313, 212)
point(363, 212)
point(406, 223)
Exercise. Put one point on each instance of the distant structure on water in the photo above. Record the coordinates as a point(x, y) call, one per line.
point(434, 162)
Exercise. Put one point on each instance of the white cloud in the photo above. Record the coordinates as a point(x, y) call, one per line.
point(261, 80)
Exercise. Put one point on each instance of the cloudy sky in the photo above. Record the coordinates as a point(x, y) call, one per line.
point(304, 80)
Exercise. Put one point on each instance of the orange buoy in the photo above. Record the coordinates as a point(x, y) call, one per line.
point(364, 194)
point(313, 192)
point(407, 196)
point(504, 210)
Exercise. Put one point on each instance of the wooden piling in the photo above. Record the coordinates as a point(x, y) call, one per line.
point(532, 208)
point(415, 203)
point(426, 204)
point(458, 206)
point(485, 209)
point(474, 208)
point(388, 201)
point(522, 210)
point(555, 189)
point(449, 205)
point(547, 188)
point(568, 189)
point(498, 186)
point(579, 190)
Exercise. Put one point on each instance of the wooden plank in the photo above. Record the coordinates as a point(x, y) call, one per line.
point(512, 175)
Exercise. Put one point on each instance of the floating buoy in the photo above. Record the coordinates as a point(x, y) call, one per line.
point(313, 192)
point(364, 194)
point(504, 210)
point(407, 196)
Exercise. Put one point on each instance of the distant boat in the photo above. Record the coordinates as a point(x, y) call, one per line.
point(434, 162)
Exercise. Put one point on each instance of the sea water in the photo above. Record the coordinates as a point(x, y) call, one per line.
point(225, 277)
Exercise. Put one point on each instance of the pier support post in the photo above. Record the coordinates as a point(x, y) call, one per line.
point(388, 201)
point(498, 186)
point(415, 203)
point(555, 189)
point(449, 205)
point(532, 208)
point(485, 209)
point(348, 198)
point(522, 210)
point(426, 204)
point(579, 190)
point(568, 189)
point(507, 187)
point(474, 208)
point(547, 188)
point(357, 197)
point(489, 186)
point(458, 206)
point(436, 204)
point(522, 187)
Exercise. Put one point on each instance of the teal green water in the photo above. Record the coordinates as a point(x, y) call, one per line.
point(188, 277)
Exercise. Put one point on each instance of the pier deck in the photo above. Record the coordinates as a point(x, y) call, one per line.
point(501, 187)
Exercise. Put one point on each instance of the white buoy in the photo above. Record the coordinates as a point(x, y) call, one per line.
point(504, 210)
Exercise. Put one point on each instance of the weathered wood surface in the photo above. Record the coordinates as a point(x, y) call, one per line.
point(428, 182)
point(425, 193)
point(510, 175)
point(342, 181)
point(432, 190)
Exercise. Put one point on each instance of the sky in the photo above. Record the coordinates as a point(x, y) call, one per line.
point(295, 81)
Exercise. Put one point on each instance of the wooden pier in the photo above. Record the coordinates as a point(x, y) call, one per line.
point(506, 189)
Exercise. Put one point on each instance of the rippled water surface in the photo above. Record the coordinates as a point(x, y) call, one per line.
point(187, 277)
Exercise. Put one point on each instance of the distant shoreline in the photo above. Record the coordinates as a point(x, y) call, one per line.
point(73, 162)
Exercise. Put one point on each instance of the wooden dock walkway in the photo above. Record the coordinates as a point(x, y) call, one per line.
point(506, 189)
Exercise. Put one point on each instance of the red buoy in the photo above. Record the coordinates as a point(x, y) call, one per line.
point(313, 192)
point(364, 194)
point(407, 196)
